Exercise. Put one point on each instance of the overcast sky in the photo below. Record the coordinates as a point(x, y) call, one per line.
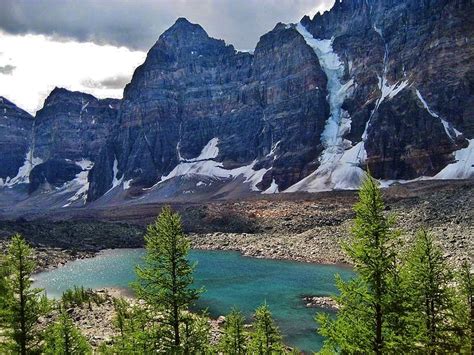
point(95, 45)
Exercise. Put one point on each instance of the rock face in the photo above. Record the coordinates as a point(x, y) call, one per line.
point(385, 85)
point(70, 131)
point(423, 48)
point(16, 128)
point(265, 111)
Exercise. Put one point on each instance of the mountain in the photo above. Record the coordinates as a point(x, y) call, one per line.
point(16, 128)
point(381, 85)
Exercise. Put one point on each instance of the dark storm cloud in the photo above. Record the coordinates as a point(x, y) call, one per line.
point(7, 69)
point(137, 24)
point(116, 82)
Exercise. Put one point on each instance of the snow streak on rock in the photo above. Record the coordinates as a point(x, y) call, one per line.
point(204, 165)
point(339, 162)
point(23, 175)
point(450, 130)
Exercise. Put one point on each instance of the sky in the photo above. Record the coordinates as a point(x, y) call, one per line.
point(95, 45)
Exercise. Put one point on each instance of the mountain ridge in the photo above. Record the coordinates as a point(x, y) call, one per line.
point(315, 105)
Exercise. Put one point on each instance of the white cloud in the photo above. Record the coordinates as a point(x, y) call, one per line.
point(41, 63)
point(323, 6)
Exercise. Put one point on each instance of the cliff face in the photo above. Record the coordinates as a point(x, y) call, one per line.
point(69, 132)
point(265, 110)
point(385, 85)
point(15, 135)
point(411, 62)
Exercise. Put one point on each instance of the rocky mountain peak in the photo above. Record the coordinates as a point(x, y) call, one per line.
point(186, 35)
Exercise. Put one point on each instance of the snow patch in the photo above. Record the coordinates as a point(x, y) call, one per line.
point(80, 182)
point(84, 106)
point(463, 168)
point(272, 189)
point(126, 184)
point(116, 181)
point(389, 90)
point(210, 151)
point(205, 165)
point(344, 174)
point(23, 175)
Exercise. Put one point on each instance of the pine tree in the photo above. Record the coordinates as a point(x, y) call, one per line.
point(165, 280)
point(23, 304)
point(63, 337)
point(233, 340)
point(363, 320)
point(265, 337)
point(434, 296)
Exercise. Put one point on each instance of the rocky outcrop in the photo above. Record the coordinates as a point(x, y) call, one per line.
point(16, 128)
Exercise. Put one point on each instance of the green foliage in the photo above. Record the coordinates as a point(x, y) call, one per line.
point(436, 302)
point(363, 322)
point(78, 296)
point(165, 281)
point(398, 303)
point(62, 337)
point(196, 332)
point(22, 304)
point(265, 337)
point(4, 291)
point(466, 281)
point(137, 333)
point(234, 339)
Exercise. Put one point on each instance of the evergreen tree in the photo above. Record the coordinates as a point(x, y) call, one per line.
point(165, 279)
point(4, 272)
point(63, 338)
point(233, 340)
point(265, 337)
point(434, 297)
point(23, 304)
point(467, 288)
point(366, 302)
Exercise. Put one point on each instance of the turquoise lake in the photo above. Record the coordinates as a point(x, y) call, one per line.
point(229, 279)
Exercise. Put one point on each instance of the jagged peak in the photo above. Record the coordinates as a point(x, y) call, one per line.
point(183, 28)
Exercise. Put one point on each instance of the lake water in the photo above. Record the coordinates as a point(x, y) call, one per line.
point(229, 279)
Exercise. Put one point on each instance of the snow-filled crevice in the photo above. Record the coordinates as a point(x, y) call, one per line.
point(387, 91)
point(116, 180)
point(448, 128)
point(23, 175)
point(80, 184)
point(340, 161)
